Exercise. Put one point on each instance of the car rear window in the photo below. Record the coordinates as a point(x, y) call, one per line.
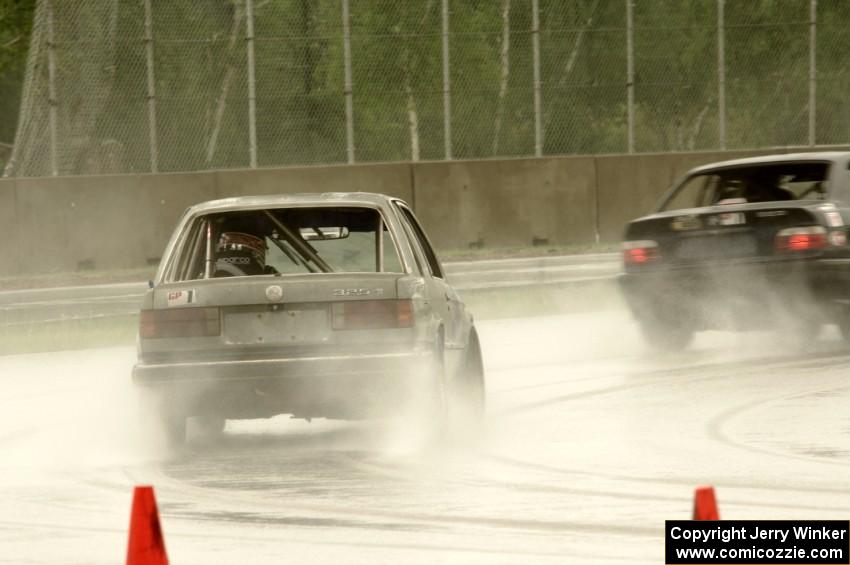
point(754, 183)
point(287, 241)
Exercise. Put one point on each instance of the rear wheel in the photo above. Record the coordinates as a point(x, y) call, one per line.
point(468, 389)
point(427, 399)
point(666, 335)
point(437, 397)
point(156, 410)
point(804, 332)
point(210, 427)
point(843, 322)
point(173, 423)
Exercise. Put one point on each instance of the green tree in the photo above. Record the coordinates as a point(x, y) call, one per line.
point(15, 25)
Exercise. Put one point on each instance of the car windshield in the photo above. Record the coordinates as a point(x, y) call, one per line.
point(287, 241)
point(755, 183)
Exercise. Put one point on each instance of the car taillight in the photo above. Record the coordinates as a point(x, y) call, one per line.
point(801, 239)
point(640, 252)
point(179, 322)
point(372, 314)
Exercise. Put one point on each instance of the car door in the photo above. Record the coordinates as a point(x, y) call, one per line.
point(442, 296)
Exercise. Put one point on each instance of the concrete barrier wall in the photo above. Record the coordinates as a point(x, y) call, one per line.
point(73, 225)
point(100, 222)
point(123, 221)
point(10, 261)
point(390, 178)
point(507, 202)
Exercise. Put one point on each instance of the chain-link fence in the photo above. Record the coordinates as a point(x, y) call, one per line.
point(157, 85)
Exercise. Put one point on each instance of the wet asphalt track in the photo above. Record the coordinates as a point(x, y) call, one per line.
point(591, 442)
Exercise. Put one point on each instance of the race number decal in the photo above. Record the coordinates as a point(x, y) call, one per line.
point(180, 297)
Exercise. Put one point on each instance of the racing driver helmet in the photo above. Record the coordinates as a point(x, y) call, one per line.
point(239, 254)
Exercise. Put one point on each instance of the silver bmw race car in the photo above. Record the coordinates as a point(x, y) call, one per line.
point(315, 305)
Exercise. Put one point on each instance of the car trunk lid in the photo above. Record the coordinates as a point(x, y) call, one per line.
point(292, 289)
point(263, 312)
point(720, 233)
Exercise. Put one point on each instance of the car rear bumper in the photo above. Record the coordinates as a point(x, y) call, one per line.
point(745, 290)
point(341, 386)
point(814, 273)
point(240, 370)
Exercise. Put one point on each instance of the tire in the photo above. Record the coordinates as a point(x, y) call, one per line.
point(804, 332)
point(174, 425)
point(801, 321)
point(438, 398)
point(667, 336)
point(156, 411)
point(468, 389)
point(209, 427)
point(843, 323)
point(428, 406)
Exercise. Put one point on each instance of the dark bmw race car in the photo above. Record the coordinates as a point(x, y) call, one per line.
point(745, 244)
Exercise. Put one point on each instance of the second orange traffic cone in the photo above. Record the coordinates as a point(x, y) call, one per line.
point(146, 545)
point(705, 504)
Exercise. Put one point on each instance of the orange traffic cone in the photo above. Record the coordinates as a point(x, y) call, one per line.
point(146, 545)
point(705, 504)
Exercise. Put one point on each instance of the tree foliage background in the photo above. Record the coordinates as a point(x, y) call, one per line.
point(201, 80)
point(15, 23)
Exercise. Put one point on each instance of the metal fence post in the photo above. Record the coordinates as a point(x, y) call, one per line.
point(51, 91)
point(252, 87)
point(535, 38)
point(349, 102)
point(813, 85)
point(721, 74)
point(630, 76)
point(154, 152)
point(447, 84)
